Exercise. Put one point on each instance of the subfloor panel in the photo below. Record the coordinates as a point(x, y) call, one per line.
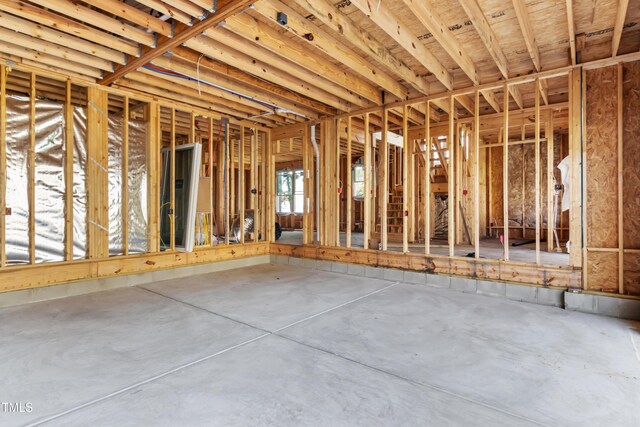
point(284, 345)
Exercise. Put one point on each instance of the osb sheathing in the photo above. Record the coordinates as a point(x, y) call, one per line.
point(602, 271)
point(602, 158)
point(631, 158)
point(497, 206)
point(631, 175)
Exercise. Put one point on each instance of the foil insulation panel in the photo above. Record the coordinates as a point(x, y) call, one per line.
point(137, 186)
point(17, 221)
point(79, 183)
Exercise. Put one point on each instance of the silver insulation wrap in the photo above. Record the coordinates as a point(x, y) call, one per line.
point(137, 186)
point(49, 185)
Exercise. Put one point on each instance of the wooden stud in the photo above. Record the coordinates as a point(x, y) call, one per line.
point(476, 180)
point(172, 181)
point(505, 171)
point(307, 237)
point(572, 31)
point(349, 192)
point(427, 178)
point(68, 174)
point(211, 182)
point(548, 133)
point(383, 152)
point(620, 179)
point(241, 184)
point(451, 179)
point(227, 189)
point(263, 186)
point(537, 172)
point(336, 193)
point(368, 181)
point(31, 169)
point(270, 216)
point(97, 174)
point(578, 164)
point(254, 186)
point(232, 178)
point(406, 149)
point(153, 176)
point(3, 163)
point(125, 177)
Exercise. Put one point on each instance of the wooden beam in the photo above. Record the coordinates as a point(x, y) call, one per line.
point(44, 33)
point(490, 97)
point(226, 9)
point(394, 27)
point(572, 31)
point(170, 10)
point(334, 48)
point(338, 22)
point(294, 100)
point(93, 17)
point(267, 38)
point(76, 29)
point(441, 33)
point(618, 26)
point(132, 14)
point(486, 33)
point(257, 61)
point(527, 32)
point(211, 186)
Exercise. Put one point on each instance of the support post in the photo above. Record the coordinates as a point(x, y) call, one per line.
point(31, 170)
point(125, 177)
point(451, 208)
point(3, 164)
point(349, 193)
point(241, 189)
point(476, 175)
point(367, 182)
point(620, 183)
point(68, 174)
point(405, 179)
point(427, 178)
point(537, 171)
point(384, 185)
point(153, 168)
point(505, 173)
point(172, 180)
point(548, 133)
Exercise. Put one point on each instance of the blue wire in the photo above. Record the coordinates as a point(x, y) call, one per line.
point(182, 76)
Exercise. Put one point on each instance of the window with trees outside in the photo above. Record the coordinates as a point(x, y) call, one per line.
point(290, 191)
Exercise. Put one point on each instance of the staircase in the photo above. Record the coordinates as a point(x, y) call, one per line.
point(394, 218)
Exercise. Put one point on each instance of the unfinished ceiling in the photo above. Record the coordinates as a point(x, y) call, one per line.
point(234, 57)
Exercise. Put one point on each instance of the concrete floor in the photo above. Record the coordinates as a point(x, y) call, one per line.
point(286, 346)
point(489, 248)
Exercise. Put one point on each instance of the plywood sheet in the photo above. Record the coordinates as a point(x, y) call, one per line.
point(631, 150)
point(602, 271)
point(529, 194)
point(602, 158)
point(632, 273)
